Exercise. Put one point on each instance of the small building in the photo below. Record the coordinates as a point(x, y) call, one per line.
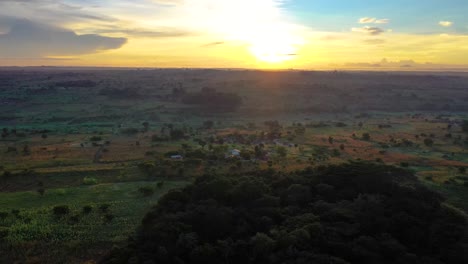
point(177, 157)
point(235, 153)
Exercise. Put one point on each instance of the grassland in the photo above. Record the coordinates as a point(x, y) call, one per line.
point(35, 232)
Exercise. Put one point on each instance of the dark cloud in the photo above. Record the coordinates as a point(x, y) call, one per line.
point(29, 39)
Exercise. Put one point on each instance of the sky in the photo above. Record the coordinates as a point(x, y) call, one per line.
point(270, 34)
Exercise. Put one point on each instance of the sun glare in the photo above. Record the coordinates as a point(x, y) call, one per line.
point(275, 50)
point(260, 25)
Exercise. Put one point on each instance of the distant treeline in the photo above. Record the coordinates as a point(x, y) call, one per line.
point(210, 99)
point(352, 213)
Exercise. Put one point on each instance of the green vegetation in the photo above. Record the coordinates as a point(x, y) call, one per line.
point(66, 225)
point(352, 213)
point(84, 154)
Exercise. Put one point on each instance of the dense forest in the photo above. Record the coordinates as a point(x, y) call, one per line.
point(351, 213)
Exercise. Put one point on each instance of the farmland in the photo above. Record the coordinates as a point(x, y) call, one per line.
point(105, 139)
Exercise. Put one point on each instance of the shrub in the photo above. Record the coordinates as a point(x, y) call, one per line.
point(462, 170)
point(95, 138)
point(104, 207)
point(74, 219)
point(11, 149)
point(3, 215)
point(41, 191)
point(366, 136)
point(108, 218)
point(146, 191)
point(160, 184)
point(4, 231)
point(61, 192)
point(129, 131)
point(87, 209)
point(90, 181)
point(61, 210)
point(428, 142)
point(15, 212)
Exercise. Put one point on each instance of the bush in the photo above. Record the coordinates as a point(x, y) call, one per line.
point(87, 209)
point(3, 215)
point(74, 219)
point(11, 149)
point(95, 138)
point(41, 191)
point(129, 131)
point(428, 142)
point(366, 136)
point(104, 207)
point(4, 231)
point(15, 212)
point(61, 210)
point(108, 218)
point(160, 184)
point(146, 191)
point(90, 181)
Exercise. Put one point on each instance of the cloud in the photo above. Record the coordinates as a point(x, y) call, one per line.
point(402, 64)
point(168, 2)
point(217, 43)
point(374, 41)
point(373, 20)
point(139, 32)
point(382, 21)
point(367, 20)
point(446, 23)
point(369, 30)
point(27, 39)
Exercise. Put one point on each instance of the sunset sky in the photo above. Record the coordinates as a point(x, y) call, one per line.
point(301, 34)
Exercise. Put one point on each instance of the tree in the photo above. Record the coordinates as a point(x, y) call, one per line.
point(366, 136)
point(262, 245)
point(41, 191)
point(202, 143)
point(177, 134)
point(208, 124)
point(462, 170)
point(281, 151)
point(87, 209)
point(145, 126)
point(26, 150)
point(465, 126)
point(61, 210)
point(146, 191)
point(428, 142)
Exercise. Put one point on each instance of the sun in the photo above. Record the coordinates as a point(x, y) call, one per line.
point(273, 52)
point(274, 47)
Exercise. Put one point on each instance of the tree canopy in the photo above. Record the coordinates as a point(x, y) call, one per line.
point(351, 213)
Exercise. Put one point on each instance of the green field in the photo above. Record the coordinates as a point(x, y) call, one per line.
point(35, 232)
